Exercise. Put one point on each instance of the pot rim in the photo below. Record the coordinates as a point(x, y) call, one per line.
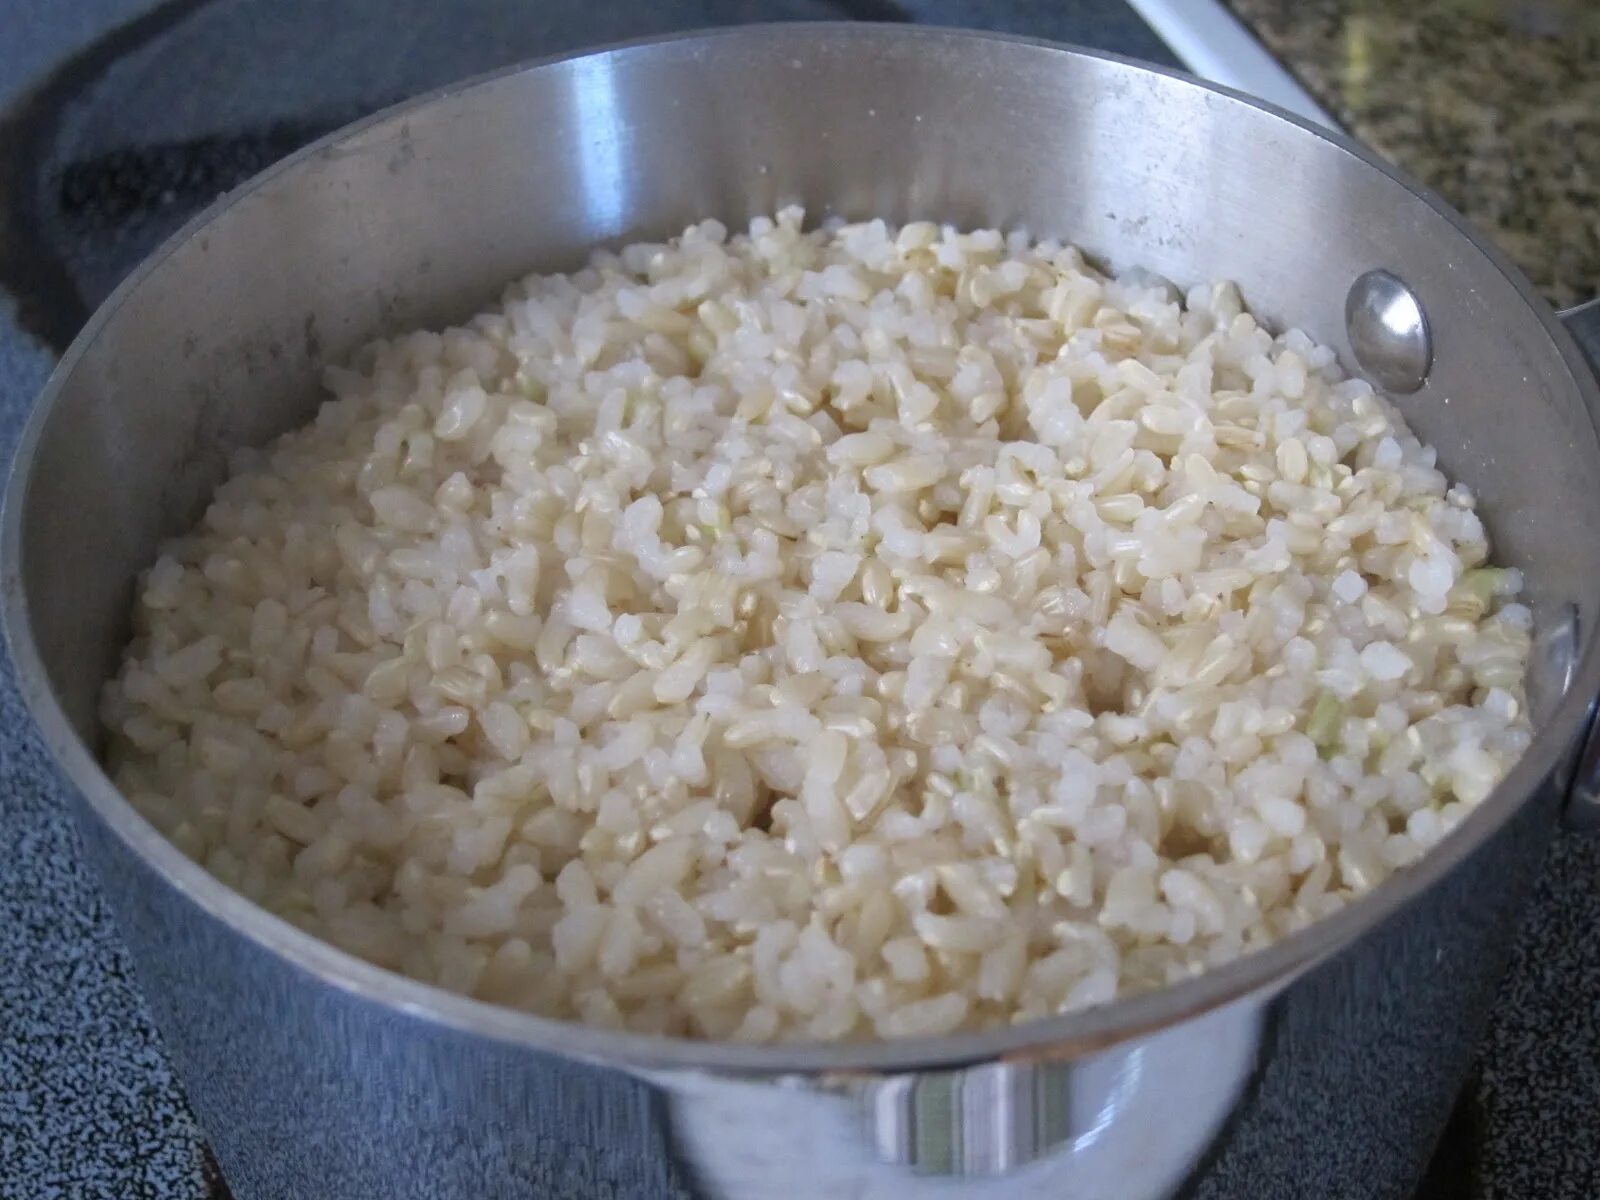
point(1263, 971)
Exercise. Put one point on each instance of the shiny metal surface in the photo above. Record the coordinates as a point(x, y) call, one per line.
point(318, 1075)
point(1582, 811)
point(1388, 332)
point(1128, 1121)
point(1583, 323)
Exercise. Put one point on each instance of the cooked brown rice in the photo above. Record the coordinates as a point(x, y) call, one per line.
point(820, 635)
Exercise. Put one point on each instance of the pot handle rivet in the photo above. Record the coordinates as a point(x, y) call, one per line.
point(1388, 332)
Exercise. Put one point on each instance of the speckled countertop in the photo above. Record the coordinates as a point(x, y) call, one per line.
point(1494, 103)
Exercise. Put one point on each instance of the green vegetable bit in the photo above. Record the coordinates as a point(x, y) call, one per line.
point(1325, 723)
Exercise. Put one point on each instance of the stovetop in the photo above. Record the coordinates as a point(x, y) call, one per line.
point(118, 120)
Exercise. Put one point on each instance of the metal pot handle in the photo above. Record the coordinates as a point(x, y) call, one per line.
point(1582, 811)
point(1583, 323)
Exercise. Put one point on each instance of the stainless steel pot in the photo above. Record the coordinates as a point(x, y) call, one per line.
point(316, 1075)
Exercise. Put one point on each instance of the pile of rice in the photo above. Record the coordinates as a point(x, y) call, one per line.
point(863, 632)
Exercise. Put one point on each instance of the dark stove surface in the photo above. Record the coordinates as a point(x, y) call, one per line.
point(137, 114)
point(152, 122)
